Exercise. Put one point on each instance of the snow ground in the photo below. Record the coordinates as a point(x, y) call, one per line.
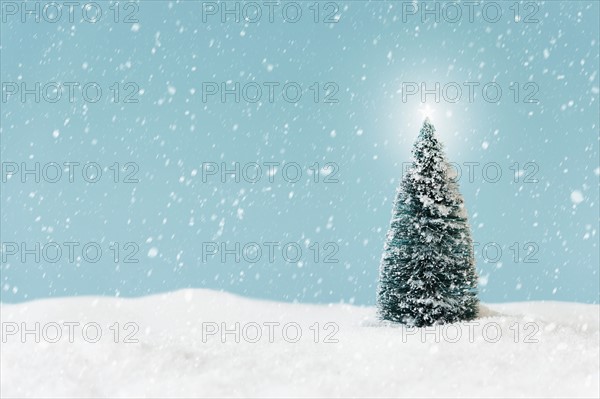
point(370, 359)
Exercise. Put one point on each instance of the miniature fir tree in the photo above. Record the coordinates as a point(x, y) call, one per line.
point(427, 272)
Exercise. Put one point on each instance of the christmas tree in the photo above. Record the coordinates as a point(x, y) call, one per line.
point(427, 272)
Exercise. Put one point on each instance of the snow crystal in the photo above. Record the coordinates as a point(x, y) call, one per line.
point(153, 252)
point(546, 53)
point(577, 197)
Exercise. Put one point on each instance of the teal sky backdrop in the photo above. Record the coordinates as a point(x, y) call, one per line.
point(373, 50)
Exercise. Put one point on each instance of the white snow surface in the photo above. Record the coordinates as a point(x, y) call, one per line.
point(370, 359)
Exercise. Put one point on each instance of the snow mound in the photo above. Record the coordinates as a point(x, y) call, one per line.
point(529, 349)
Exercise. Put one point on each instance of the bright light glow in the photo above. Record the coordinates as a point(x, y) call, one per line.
point(405, 120)
point(426, 111)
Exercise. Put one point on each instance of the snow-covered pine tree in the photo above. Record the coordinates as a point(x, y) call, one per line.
point(427, 272)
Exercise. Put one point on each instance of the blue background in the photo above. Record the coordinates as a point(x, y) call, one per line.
point(372, 49)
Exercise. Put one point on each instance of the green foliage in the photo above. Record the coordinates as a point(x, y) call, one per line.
point(427, 272)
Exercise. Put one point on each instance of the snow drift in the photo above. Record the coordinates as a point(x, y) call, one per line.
point(183, 344)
